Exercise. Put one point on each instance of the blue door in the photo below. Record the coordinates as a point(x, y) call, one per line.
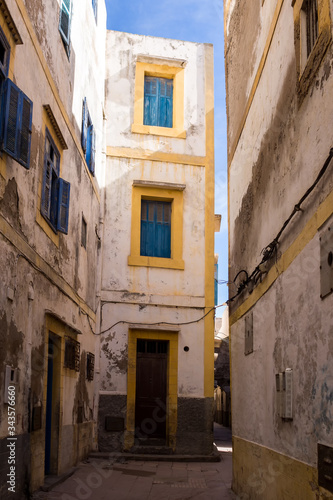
point(48, 427)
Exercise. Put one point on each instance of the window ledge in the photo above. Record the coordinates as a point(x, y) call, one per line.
point(45, 226)
point(143, 261)
point(164, 131)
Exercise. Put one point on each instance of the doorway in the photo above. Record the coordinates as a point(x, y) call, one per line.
point(52, 404)
point(151, 392)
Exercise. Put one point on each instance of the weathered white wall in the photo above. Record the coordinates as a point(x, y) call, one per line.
point(281, 150)
point(42, 70)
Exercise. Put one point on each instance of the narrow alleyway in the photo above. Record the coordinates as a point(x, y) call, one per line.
point(120, 479)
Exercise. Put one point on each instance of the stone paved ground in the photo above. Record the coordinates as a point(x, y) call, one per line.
point(99, 479)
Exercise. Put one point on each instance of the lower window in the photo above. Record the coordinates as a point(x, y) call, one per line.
point(155, 228)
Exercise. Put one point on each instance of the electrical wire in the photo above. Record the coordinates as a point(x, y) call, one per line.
point(270, 249)
point(160, 323)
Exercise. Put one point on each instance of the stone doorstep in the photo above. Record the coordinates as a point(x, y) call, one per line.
point(214, 457)
point(51, 481)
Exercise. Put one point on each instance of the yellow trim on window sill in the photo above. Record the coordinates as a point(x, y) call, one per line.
point(142, 260)
point(152, 130)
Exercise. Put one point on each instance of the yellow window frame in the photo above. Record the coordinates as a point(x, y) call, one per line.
point(161, 71)
point(307, 66)
point(155, 193)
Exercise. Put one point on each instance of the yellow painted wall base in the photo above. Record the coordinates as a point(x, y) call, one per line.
point(260, 473)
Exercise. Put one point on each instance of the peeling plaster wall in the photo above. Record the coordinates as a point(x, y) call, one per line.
point(114, 346)
point(281, 149)
point(42, 276)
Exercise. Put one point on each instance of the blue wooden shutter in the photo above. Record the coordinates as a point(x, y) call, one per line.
point(165, 102)
point(63, 205)
point(151, 101)
point(162, 230)
point(93, 151)
point(147, 228)
point(17, 124)
point(11, 127)
point(90, 131)
point(25, 129)
point(46, 188)
point(84, 125)
point(65, 18)
point(155, 229)
point(94, 4)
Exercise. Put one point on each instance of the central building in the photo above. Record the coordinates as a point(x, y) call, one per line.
point(156, 366)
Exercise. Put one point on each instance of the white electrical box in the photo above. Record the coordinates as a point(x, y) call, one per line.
point(10, 380)
point(284, 394)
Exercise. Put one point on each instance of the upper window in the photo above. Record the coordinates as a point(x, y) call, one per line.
point(88, 138)
point(94, 5)
point(16, 123)
point(55, 191)
point(159, 99)
point(4, 55)
point(65, 23)
point(312, 37)
point(310, 20)
point(155, 228)
point(158, 106)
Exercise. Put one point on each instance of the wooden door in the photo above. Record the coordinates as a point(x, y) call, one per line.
point(151, 390)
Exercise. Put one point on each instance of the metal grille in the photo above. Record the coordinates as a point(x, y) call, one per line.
point(72, 354)
point(90, 366)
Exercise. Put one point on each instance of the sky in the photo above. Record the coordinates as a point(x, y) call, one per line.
point(194, 21)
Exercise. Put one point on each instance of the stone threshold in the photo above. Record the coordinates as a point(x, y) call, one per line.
point(50, 481)
point(144, 457)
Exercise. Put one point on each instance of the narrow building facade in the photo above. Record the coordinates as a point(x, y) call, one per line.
point(106, 227)
point(157, 288)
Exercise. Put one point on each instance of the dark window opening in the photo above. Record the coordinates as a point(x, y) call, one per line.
point(72, 354)
point(84, 233)
point(90, 366)
point(152, 346)
point(310, 9)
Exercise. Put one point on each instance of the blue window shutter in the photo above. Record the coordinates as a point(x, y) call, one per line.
point(46, 189)
point(93, 151)
point(63, 205)
point(84, 125)
point(155, 229)
point(165, 102)
point(151, 101)
point(94, 4)
point(16, 127)
point(158, 102)
point(163, 230)
point(65, 20)
point(25, 129)
point(144, 228)
point(11, 127)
